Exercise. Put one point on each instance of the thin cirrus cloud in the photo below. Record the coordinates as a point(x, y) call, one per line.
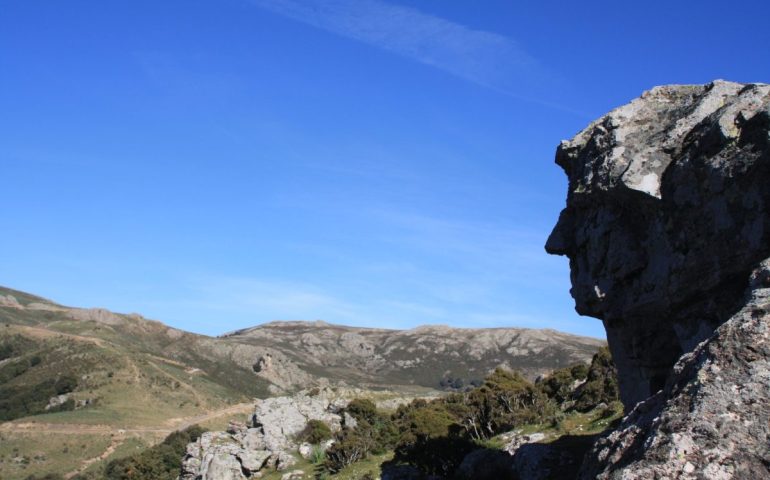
point(485, 58)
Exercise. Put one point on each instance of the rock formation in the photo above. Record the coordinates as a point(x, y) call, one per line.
point(667, 232)
point(266, 442)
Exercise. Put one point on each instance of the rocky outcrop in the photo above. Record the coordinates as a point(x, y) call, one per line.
point(98, 315)
point(667, 228)
point(712, 420)
point(266, 442)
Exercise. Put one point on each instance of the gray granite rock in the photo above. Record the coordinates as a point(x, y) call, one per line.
point(667, 228)
point(666, 217)
point(265, 442)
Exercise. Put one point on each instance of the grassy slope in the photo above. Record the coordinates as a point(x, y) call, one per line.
point(140, 378)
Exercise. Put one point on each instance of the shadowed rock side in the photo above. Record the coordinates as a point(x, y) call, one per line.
point(666, 228)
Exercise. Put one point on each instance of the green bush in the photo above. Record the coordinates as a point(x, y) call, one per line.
point(161, 462)
point(375, 434)
point(23, 400)
point(558, 385)
point(601, 383)
point(314, 432)
point(350, 446)
point(436, 435)
point(362, 409)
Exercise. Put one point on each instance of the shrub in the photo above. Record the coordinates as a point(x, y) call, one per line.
point(601, 383)
point(23, 400)
point(362, 409)
point(315, 431)
point(161, 462)
point(558, 385)
point(65, 384)
point(351, 445)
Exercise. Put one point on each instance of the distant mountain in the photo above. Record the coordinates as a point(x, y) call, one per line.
point(284, 356)
point(292, 354)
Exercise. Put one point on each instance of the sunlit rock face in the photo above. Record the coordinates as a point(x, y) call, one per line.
point(666, 217)
point(666, 228)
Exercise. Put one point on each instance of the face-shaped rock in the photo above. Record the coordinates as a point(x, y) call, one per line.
point(666, 217)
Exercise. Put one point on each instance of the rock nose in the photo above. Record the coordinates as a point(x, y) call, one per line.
point(559, 240)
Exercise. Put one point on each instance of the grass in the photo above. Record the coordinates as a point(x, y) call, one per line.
point(371, 465)
point(133, 384)
point(129, 446)
point(23, 454)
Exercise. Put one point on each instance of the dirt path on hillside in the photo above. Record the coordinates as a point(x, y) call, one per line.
point(114, 444)
point(182, 384)
point(81, 429)
point(44, 333)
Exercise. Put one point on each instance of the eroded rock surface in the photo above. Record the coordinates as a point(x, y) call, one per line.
point(266, 442)
point(666, 228)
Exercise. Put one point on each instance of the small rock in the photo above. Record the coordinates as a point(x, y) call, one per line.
point(295, 475)
point(305, 450)
point(284, 460)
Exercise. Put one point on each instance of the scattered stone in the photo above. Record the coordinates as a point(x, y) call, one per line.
point(305, 451)
point(515, 440)
point(57, 401)
point(295, 475)
point(348, 421)
point(284, 460)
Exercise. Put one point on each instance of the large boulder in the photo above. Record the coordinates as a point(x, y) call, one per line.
point(667, 227)
point(282, 418)
point(266, 442)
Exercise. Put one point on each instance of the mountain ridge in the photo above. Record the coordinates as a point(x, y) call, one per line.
point(298, 354)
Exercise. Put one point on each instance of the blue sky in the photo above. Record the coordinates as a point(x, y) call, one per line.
point(220, 164)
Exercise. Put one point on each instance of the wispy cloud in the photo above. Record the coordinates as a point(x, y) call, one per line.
point(485, 58)
point(271, 299)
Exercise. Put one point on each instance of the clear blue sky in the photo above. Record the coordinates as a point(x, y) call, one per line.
point(220, 164)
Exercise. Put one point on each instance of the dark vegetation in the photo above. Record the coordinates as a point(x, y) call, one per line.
point(435, 436)
point(161, 462)
point(459, 383)
point(316, 431)
point(21, 392)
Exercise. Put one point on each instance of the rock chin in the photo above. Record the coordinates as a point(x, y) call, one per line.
point(666, 228)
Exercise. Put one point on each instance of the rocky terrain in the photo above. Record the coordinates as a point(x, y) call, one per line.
point(267, 440)
point(668, 235)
